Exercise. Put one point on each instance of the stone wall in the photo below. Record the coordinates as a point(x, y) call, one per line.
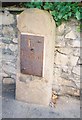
point(66, 56)
point(9, 43)
point(67, 59)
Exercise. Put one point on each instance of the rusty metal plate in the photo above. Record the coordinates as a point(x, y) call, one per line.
point(31, 54)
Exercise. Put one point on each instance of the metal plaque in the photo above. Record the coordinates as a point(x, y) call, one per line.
point(31, 54)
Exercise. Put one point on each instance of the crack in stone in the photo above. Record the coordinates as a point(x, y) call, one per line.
point(61, 52)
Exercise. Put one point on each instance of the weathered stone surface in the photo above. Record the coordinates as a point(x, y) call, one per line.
point(63, 87)
point(14, 77)
point(61, 29)
point(76, 43)
point(73, 43)
point(78, 84)
point(66, 90)
point(67, 76)
point(34, 22)
point(3, 74)
point(10, 63)
point(76, 52)
point(6, 18)
point(71, 91)
point(8, 58)
point(70, 35)
point(2, 45)
point(60, 42)
point(7, 51)
point(73, 60)
point(9, 69)
point(67, 28)
point(13, 47)
point(6, 40)
point(61, 59)
point(79, 61)
point(76, 78)
point(57, 72)
point(65, 82)
point(6, 46)
point(15, 40)
point(8, 81)
point(36, 25)
point(76, 70)
point(69, 43)
point(66, 69)
point(8, 31)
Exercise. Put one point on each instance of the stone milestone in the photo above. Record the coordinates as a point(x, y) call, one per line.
point(34, 89)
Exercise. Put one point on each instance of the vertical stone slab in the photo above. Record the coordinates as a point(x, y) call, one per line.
point(32, 85)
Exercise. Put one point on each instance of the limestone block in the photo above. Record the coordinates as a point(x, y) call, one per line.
point(13, 76)
point(15, 40)
point(57, 71)
point(66, 90)
point(71, 35)
point(79, 61)
point(76, 51)
point(61, 59)
point(6, 40)
point(73, 60)
point(8, 68)
point(76, 70)
point(61, 29)
point(8, 81)
point(78, 84)
point(2, 45)
point(65, 82)
point(13, 47)
point(65, 69)
point(8, 31)
point(76, 43)
point(76, 78)
point(60, 42)
point(70, 91)
point(7, 51)
point(37, 90)
point(6, 19)
point(67, 28)
point(3, 74)
point(66, 87)
point(8, 58)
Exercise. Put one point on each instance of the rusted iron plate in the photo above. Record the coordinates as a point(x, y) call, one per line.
point(31, 54)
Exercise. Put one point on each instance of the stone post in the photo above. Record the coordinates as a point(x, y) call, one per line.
point(36, 56)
